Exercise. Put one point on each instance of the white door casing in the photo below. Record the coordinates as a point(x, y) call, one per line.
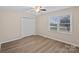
point(27, 26)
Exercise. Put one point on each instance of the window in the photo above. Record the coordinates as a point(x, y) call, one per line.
point(60, 23)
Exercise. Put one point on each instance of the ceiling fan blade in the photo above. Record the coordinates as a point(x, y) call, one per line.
point(43, 9)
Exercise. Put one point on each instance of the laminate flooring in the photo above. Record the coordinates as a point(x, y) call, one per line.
point(37, 44)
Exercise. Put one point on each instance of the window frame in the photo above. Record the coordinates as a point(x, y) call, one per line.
point(58, 30)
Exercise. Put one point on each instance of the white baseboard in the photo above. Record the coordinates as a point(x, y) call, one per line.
point(72, 44)
point(46, 37)
point(11, 40)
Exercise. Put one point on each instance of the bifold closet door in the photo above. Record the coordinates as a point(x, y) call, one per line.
point(27, 26)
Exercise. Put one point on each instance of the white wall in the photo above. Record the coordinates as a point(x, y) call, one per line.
point(10, 24)
point(42, 26)
point(1, 26)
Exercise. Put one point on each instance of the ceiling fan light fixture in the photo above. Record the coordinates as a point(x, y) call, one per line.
point(37, 8)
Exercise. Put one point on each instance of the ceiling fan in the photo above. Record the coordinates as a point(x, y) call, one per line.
point(39, 8)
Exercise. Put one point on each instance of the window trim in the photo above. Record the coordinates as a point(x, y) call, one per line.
point(70, 32)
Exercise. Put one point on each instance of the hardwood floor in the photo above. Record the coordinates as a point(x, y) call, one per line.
point(37, 44)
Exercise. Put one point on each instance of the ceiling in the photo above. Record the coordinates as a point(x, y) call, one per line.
point(30, 10)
